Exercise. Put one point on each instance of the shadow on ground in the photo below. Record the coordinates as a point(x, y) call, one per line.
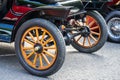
point(10, 68)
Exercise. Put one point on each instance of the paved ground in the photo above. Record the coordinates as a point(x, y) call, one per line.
point(101, 65)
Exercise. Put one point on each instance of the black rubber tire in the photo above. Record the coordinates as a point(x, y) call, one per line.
point(59, 43)
point(103, 38)
point(111, 36)
point(3, 9)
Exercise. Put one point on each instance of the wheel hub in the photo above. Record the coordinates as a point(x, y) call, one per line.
point(116, 29)
point(114, 25)
point(85, 31)
point(38, 48)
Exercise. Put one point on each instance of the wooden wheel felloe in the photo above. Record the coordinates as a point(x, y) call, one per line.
point(95, 33)
point(38, 48)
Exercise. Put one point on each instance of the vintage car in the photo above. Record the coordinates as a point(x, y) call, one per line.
point(42, 28)
point(113, 20)
point(111, 12)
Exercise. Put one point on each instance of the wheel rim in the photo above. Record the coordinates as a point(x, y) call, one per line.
point(38, 48)
point(93, 38)
point(114, 27)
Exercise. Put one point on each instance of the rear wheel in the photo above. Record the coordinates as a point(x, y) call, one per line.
point(40, 47)
point(96, 34)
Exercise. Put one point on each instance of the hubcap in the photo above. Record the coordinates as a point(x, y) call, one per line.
point(85, 31)
point(114, 27)
point(38, 48)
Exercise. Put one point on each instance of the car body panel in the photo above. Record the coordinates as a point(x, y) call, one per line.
point(21, 8)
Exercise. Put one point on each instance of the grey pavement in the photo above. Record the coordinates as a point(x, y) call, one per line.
point(101, 65)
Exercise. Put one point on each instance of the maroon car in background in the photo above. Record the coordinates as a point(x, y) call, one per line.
point(113, 20)
point(111, 12)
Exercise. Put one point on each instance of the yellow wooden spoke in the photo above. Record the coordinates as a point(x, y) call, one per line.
point(50, 54)
point(91, 23)
point(28, 41)
point(93, 37)
point(50, 47)
point(89, 42)
point(79, 38)
point(47, 41)
point(27, 48)
point(35, 59)
point(31, 36)
point(98, 34)
point(87, 20)
point(40, 58)
point(46, 59)
point(94, 28)
point(43, 35)
point(30, 54)
point(84, 41)
point(37, 34)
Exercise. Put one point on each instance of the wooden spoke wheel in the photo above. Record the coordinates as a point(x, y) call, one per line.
point(40, 47)
point(92, 35)
point(89, 40)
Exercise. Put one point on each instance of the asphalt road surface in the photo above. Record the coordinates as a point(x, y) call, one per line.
point(101, 65)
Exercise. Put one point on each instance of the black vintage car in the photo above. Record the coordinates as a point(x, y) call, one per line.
point(41, 29)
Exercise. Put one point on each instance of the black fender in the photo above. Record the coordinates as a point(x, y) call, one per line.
point(52, 12)
point(55, 11)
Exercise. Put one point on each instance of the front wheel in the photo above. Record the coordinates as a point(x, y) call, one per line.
point(96, 34)
point(40, 47)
